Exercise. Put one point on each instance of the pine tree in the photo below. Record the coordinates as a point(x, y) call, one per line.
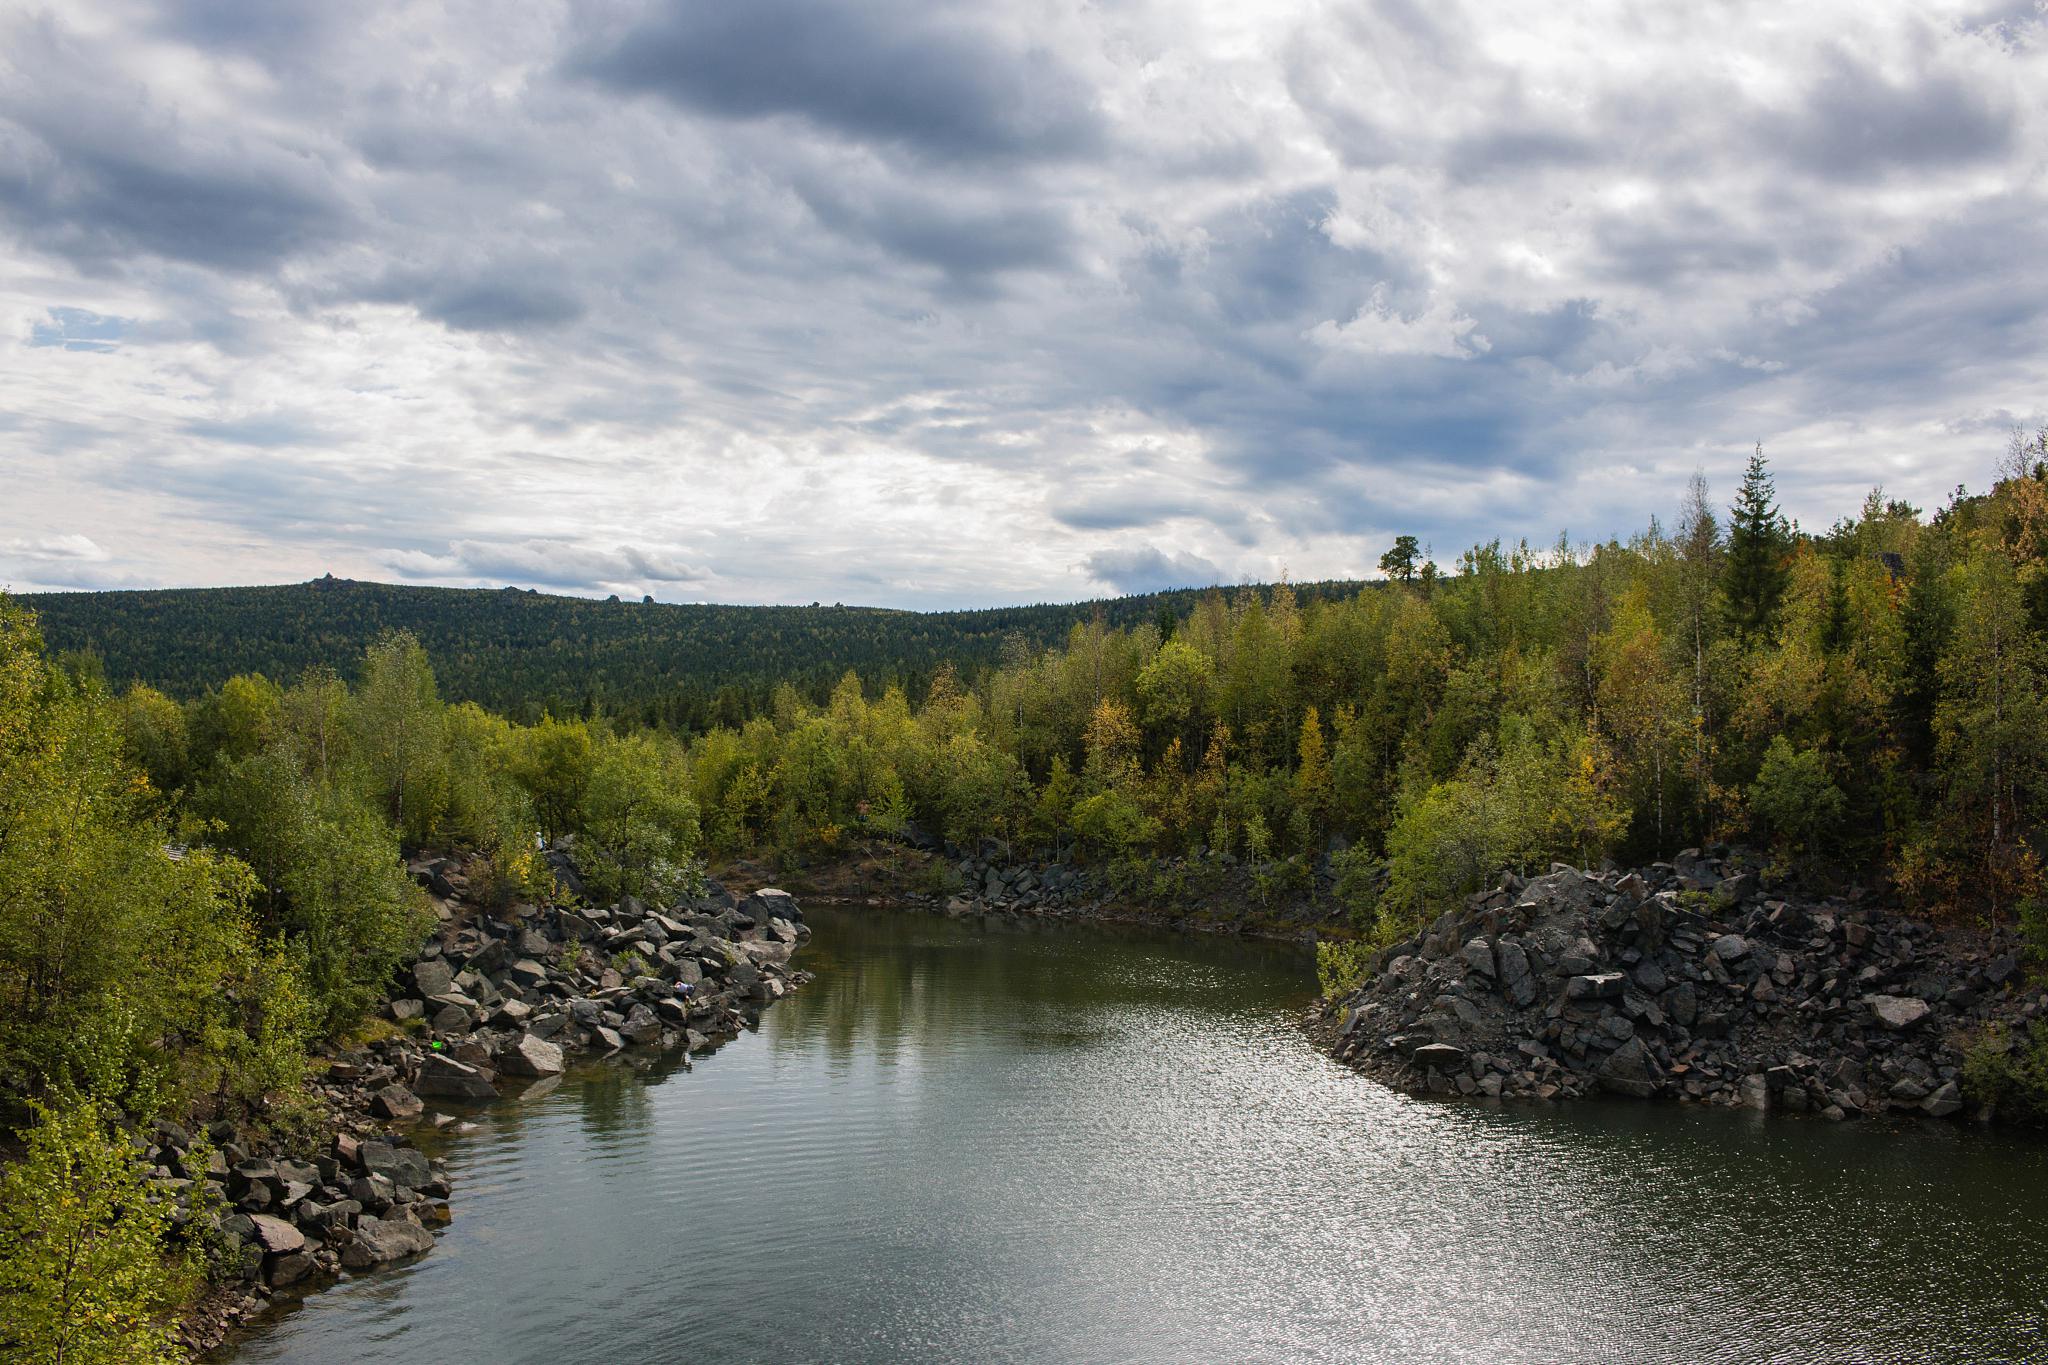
point(1758, 538)
point(1399, 562)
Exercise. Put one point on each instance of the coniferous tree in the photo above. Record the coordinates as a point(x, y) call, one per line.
point(1399, 562)
point(1758, 538)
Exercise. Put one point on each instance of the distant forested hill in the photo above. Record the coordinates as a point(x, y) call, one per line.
point(519, 652)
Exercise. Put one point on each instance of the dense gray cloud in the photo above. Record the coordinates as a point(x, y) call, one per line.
point(934, 304)
point(927, 77)
point(1147, 568)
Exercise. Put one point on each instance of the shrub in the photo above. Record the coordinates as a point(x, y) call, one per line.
point(1342, 966)
point(2010, 1073)
point(85, 1276)
point(1794, 799)
point(1361, 877)
point(2033, 916)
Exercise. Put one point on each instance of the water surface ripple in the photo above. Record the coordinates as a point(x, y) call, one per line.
point(1006, 1143)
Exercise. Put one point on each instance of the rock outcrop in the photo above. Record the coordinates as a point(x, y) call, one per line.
point(1684, 980)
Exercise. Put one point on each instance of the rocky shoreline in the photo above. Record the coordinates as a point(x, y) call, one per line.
point(1696, 980)
point(1206, 895)
point(495, 1000)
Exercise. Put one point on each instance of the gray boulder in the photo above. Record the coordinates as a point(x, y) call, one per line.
point(1944, 1101)
point(396, 1103)
point(527, 1055)
point(1516, 979)
point(432, 977)
point(1631, 1070)
point(275, 1235)
point(1898, 1012)
point(382, 1240)
point(1595, 986)
point(399, 1165)
point(442, 1075)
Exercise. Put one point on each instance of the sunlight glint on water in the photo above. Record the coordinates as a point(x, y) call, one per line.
point(995, 1142)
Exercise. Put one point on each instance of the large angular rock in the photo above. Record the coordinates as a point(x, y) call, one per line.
point(1730, 947)
point(290, 1268)
point(527, 1055)
point(399, 1165)
point(1516, 978)
point(1440, 1057)
point(442, 1075)
point(432, 977)
point(1479, 957)
point(275, 1235)
point(1944, 1101)
point(773, 903)
point(1595, 986)
point(1631, 1070)
point(1898, 1012)
point(396, 1103)
point(641, 1028)
point(382, 1240)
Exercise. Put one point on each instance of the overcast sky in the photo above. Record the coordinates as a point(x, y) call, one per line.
point(922, 304)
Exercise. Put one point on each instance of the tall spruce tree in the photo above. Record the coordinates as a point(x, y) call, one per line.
point(1758, 538)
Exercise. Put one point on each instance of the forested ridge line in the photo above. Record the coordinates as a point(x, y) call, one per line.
point(682, 665)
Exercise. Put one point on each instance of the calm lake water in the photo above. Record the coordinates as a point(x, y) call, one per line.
point(991, 1142)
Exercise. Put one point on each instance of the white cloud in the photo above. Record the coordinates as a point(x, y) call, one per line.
point(68, 549)
point(1377, 329)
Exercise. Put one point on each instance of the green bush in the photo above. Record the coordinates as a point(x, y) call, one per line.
point(86, 1277)
point(1794, 799)
point(2010, 1073)
point(1342, 966)
point(1361, 876)
point(2033, 916)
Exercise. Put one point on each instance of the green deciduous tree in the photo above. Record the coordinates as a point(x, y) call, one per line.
point(396, 728)
point(1992, 727)
point(86, 1277)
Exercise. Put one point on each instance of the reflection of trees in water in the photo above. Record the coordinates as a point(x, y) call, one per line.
point(613, 1102)
point(890, 977)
